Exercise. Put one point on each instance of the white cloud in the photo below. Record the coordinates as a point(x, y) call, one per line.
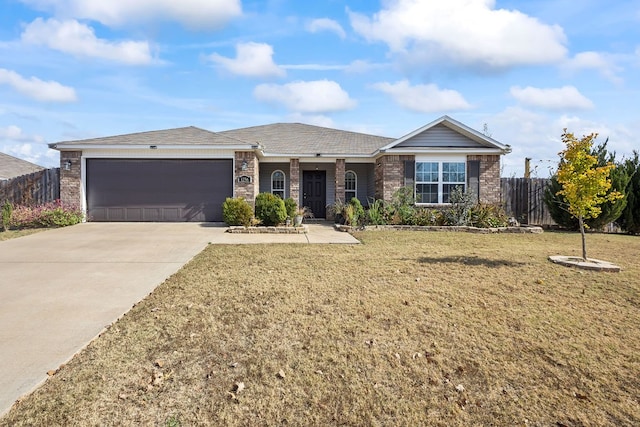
point(15, 142)
point(252, 60)
point(530, 134)
point(80, 40)
point(462, 32)
point(316, 119)
point(192, 13)
point(565, 97)
point(326, 24)
point(319, 96)
point(38, 89)
point(13, 133)
point(602, 63)
point(423, 98)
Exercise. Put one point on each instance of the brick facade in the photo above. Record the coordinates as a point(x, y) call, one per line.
point(294, 180)
point(247, 190)
point(489, 177)
point(340, 171)
point(389, 175)
point(71, 179)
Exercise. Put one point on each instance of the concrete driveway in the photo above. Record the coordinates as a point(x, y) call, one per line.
point(60, 288)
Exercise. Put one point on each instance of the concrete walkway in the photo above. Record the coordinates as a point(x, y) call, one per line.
point(60, 288)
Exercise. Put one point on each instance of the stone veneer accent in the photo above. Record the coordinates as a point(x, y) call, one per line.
point(247, 190)
point(489, 177)
point(340, 171)
point(71, 180)
point(389, 175)
point(294, 179)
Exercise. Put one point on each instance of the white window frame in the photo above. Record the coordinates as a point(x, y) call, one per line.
point(282, 190)
point(440, 182)
point(355, 185)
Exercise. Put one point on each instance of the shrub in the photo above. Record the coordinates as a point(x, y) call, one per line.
point(291, 206)
point(375, 213)
point(270, 209)
point(630, 218)
point(7, 210)
point(358, 211)
point(237, 211)
point(401, 210)
point(488, 216)
point(53, 214)
point(461, 204)
point(424, 216)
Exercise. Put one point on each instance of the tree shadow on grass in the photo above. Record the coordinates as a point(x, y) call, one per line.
point(471, 260)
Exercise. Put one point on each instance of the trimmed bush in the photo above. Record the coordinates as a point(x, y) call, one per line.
point(237, 211)
point(358, 211)
point(291, 206)
point(53, 214)
point(270, 209)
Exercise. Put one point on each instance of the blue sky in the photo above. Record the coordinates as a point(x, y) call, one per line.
point(520, 70)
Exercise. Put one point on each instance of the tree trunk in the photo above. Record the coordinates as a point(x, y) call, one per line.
point(584, 243)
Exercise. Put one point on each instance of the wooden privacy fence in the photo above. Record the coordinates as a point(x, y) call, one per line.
point(522, 198)
point(33, 189)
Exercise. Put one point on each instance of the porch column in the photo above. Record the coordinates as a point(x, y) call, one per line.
point(340, 170)
point(294, 180)
point(71, 178)
point(247, 179)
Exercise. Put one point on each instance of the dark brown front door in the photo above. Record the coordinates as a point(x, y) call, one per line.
point(314, 196)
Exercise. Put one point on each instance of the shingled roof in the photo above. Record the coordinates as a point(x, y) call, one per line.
point(11, 167)
point(190, 135)
point(298, 138)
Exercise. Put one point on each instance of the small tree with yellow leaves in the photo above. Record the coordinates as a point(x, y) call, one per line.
point(584, 183)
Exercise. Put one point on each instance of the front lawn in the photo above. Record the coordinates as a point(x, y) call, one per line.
point(409, 328)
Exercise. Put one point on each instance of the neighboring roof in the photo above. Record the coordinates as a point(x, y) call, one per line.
point(456, 126)
point(11, 167)
point(298, 138)
point(190, 135)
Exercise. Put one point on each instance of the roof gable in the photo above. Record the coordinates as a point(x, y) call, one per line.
point(446, 133)
point(11, 167)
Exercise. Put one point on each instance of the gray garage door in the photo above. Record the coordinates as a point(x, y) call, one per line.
point(157, 190)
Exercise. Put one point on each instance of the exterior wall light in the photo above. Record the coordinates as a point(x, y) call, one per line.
point(67, 165)
point(244, 165)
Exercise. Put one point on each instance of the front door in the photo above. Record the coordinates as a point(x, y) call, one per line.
point(314, 192)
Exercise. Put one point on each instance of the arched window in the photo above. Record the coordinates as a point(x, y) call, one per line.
point(277, 183)
point(350, 185)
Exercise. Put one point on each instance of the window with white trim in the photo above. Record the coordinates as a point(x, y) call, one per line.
point(436, 180)
point(350, 185)
point(277, 183)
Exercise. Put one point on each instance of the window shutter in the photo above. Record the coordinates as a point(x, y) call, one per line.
point(409, 172)
point(473, 178)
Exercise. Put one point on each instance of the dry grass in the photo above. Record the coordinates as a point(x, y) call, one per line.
point(408, 329)
point(13, 234)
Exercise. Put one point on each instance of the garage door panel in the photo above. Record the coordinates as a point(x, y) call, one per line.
point(157, 190)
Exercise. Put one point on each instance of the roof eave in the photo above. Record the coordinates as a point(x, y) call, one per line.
point(442, 150)
point(67, 147)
